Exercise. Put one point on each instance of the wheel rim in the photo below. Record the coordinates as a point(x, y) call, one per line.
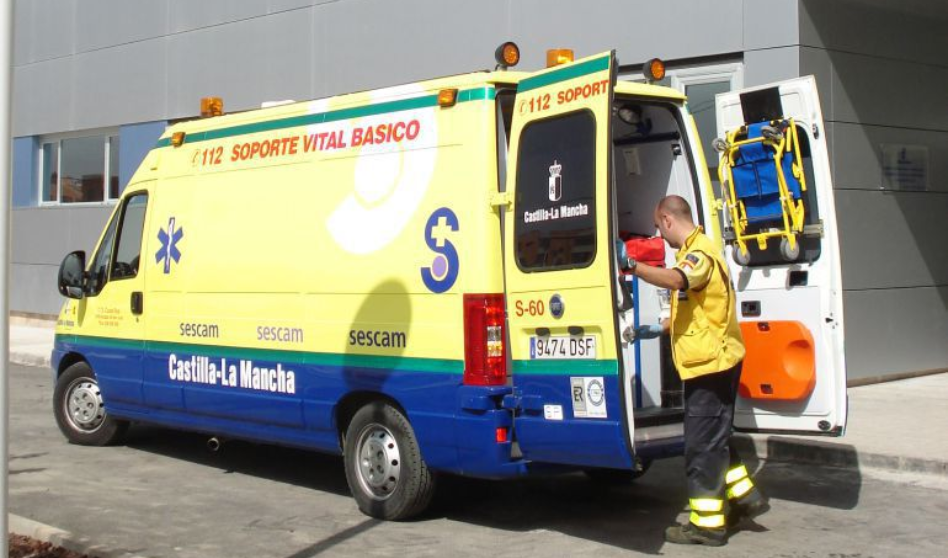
point(380, 463)
point(83, 406)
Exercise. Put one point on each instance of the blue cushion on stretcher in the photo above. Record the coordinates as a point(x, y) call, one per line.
point(755, 178)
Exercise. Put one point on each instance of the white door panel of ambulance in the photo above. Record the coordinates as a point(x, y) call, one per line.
point(560, 300)
point(783, 250)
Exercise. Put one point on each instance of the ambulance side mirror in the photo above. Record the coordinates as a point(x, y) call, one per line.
point(72, 275)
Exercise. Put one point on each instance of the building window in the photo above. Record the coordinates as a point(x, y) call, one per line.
point(700, 85)
point(79, 169)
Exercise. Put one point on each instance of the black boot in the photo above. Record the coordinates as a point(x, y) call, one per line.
point(692, 534)
point(752, 505)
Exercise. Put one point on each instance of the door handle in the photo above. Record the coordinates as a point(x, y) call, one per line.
point(138, 303)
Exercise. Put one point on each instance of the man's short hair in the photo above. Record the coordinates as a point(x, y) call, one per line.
point(676, 206)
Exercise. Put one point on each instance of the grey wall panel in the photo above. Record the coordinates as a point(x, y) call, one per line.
point(52, 29)
point(638, 30)
point(865, 92)
point(857, 154)
point(771, 65)
point(120, 85)
point(33, 289)
point(22, 38)
point(46, 234)
point(892, 331)
point(892, 240)
point(107, 23)
point(890, 32)
point(43, 97)
point(864, 89)
point(377, 43)
point(771, 23)
point(186, 15)
point(245, 63)
point(274, 6)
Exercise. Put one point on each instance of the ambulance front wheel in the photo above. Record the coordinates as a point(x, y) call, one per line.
point(384, 468)
point(80, 411)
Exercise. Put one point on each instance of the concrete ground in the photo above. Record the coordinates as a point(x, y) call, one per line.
point(163, 494)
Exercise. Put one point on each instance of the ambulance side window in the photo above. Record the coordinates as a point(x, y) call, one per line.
point(555, 211)
point(129, 246)
point(98, 271)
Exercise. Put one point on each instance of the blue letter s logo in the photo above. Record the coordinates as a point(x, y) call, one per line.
point(444, 269)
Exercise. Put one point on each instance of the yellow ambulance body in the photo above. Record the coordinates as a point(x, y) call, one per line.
point(420, 277)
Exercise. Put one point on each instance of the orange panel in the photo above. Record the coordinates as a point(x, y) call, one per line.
point(781, 361)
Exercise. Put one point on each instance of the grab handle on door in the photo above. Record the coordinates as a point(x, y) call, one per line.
point(138, 303)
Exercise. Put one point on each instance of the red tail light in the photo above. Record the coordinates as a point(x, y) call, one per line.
point(485, 340)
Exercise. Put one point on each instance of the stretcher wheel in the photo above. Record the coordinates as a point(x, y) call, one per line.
point(742, 258)
point(789, 254)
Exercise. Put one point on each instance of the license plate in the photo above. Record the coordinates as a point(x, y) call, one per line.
point(563, 347)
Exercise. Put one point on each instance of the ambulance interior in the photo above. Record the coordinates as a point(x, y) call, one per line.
point(651, 161)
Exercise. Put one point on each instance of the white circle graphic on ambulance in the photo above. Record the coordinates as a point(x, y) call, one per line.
point(391, 177)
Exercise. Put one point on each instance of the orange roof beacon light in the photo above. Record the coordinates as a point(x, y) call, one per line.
point(447, 98)
point(177, 139)
point(558, 56)
point(211, 106)
point(507, 55)
point(654, 70)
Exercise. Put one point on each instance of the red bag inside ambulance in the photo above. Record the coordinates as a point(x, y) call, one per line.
point(646, 249)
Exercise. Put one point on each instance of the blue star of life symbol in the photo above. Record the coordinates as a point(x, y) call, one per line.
point(169, 245)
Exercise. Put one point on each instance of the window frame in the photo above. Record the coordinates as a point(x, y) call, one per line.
point(120, 230)
point(105, 135)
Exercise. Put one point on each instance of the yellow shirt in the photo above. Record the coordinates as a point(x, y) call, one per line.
point(706, 337)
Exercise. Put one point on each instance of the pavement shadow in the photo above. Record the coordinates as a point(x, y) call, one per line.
point(814, 473)
point(629, 516)
point(306, 469)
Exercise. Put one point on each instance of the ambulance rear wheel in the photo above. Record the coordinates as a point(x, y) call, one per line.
point(384, 468)
point(80, 411)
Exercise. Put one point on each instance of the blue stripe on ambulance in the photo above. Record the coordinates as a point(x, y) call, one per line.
point(455, 425)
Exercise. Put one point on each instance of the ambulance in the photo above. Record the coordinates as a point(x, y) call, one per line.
point(424, 280)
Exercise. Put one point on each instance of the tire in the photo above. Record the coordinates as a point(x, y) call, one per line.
point(80, 411)
point(384, 468)
point(742, 258)
point(617, 477)
point(788, 254)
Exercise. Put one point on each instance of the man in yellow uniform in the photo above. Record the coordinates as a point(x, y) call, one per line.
point(707, 349)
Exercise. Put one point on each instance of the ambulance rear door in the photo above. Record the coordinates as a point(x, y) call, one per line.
point(791, 311)
point(568, 395)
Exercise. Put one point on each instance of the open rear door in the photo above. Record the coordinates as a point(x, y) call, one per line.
point(560, 270)
point(790, 307)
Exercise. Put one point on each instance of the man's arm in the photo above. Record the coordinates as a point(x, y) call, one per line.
point(659, 276)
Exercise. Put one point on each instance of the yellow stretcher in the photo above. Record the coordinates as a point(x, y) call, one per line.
point(763, 183)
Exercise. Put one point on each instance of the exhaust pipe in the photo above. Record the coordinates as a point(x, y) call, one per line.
point(214, 444)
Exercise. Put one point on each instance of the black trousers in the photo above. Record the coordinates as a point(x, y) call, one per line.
point(709, 416)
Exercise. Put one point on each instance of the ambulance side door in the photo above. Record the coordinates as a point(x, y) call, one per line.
point(113, 311)
point(558, 267)
point(791, 312)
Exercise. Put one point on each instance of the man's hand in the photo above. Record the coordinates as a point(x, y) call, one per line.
point(622, 255)
point(650, 331)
